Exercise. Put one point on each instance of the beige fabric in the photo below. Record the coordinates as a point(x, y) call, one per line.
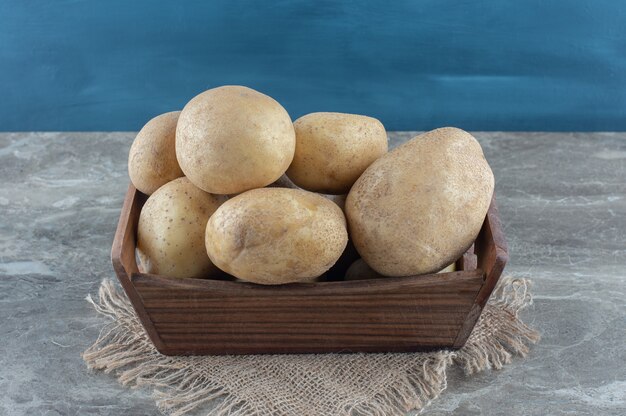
point(307, 384)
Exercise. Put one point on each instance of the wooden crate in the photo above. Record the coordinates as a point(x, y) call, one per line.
point(416, 313)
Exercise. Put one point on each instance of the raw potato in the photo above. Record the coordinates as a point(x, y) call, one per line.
point(420, 207)
point(276, 235)
point(359, 270)
point(449, 268)
point(282, 182)
point(152, 159)
point(170, 235)
point(333, 150)
point(231, 139)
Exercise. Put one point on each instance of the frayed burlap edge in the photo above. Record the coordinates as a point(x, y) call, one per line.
point(184, 384)
point(499, 334)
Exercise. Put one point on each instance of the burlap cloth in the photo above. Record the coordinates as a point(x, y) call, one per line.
point(307, 384)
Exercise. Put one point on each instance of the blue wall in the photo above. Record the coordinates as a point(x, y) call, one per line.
point(480, 65)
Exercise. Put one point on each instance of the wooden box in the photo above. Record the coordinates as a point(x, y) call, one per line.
point(197, 316)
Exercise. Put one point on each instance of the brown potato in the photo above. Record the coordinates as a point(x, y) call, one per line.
point(419, 207)
point(170, 234)
point(276, 235)
point(359, 270)
point(333, 150)
point(231, 139)
point(152, 158)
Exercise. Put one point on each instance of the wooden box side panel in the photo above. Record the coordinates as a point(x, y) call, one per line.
point(214, 317)
point(124, 260)
point(492, 252)
point(492, 255)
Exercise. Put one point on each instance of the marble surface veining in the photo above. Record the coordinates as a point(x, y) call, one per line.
point(562, 200)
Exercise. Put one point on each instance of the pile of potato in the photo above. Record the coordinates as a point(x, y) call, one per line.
point(236, 187)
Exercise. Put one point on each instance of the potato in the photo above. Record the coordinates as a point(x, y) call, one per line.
point(276, 235)
point(419, 207)
point(170, 235)
point(152, 159)
point(448, 269)
point(359, 270)
point(333, 150)
point(231, 139)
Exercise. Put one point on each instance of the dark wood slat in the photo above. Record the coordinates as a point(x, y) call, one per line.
point(281, 337)
point(441, 290)
point(240, 304)
point(191, 326)
point(307, 329)
point(199, 301)
point(182, 319)
point(401, 317)
point(188, 348)
point(388, 285)
point(124, 260)
point(492, 255)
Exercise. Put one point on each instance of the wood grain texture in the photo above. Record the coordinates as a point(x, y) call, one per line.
point(494, 255)
point(197, 316)
point(124, 260)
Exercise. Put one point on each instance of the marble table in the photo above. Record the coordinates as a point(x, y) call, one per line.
point(562, 200)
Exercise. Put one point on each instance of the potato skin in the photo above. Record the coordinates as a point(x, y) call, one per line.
point(419, 207)
point(170, 234)
point(276, 235)
point(231, 139)
point(333, 150)
point(359, 270)
point(152, 158)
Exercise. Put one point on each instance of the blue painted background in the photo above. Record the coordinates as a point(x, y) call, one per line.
point(480, 65)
